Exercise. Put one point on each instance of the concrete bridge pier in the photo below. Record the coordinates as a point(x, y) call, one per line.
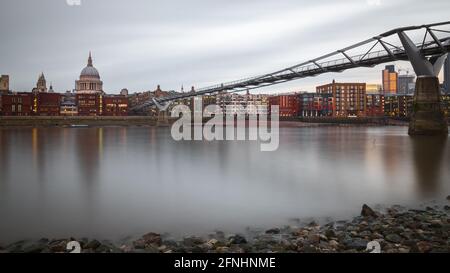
point(427, 117)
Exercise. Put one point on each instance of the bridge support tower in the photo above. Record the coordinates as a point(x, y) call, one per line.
point(427, 116)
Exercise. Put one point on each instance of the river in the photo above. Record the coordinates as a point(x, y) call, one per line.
point(110, 182)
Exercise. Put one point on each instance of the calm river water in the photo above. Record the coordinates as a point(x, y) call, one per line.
point(115, 181)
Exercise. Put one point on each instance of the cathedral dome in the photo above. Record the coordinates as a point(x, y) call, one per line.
point(90, 70)
point(89, 82)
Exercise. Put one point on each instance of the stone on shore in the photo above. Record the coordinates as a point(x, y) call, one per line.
point(237, 239)
point(152, 238)
point(368, 212)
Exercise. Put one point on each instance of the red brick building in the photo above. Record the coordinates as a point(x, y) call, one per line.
point(17, 104)
point(47, 104)
point(89, 104)
point(288, 105)
point(349, 98)
point(375, 105)
point(114, 105)
point(102, 105)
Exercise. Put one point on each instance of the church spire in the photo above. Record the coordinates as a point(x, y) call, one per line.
point(90, 59)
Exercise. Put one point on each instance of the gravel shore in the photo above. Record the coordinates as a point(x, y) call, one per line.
point(395, 230)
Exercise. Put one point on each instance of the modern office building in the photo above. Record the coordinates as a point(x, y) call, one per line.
point(406, 84)
point(390, 80)
point(374, 88)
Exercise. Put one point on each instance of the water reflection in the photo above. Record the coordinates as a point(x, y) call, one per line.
point(89, 152)
point(428, 155)
point(4, 161)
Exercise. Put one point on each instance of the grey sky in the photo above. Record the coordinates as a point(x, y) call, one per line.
point(137, 44)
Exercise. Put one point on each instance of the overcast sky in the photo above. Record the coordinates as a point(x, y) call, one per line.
point(137, 44)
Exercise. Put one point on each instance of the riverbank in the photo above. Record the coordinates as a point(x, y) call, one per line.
point(62, 121)
point(396, 229)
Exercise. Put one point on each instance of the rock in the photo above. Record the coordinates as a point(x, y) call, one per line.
point(207, 246)
point(139, 244)
point(193, 241)
point(17, 247)
point(330, 233)
point(314, 238)
point(223, 249)
point(273, 231)
point(58, 246)
point(171, 244)
point(448, 198)
point(213, 242)
point(368, 212)
point(105, 249)
point(403, 250)
point(151, 249)
point(334, 244)
point(309, 249)
point(447, 207)
point(423, 247)
point(394, 238)
point(35, 248)
point(365, 233)
point(152, 238)
point(237, 239)
point(94, 244)
point(436, 224)
point(392, 211)
point(357, 244)
point(236, 249)
point(126, 249)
